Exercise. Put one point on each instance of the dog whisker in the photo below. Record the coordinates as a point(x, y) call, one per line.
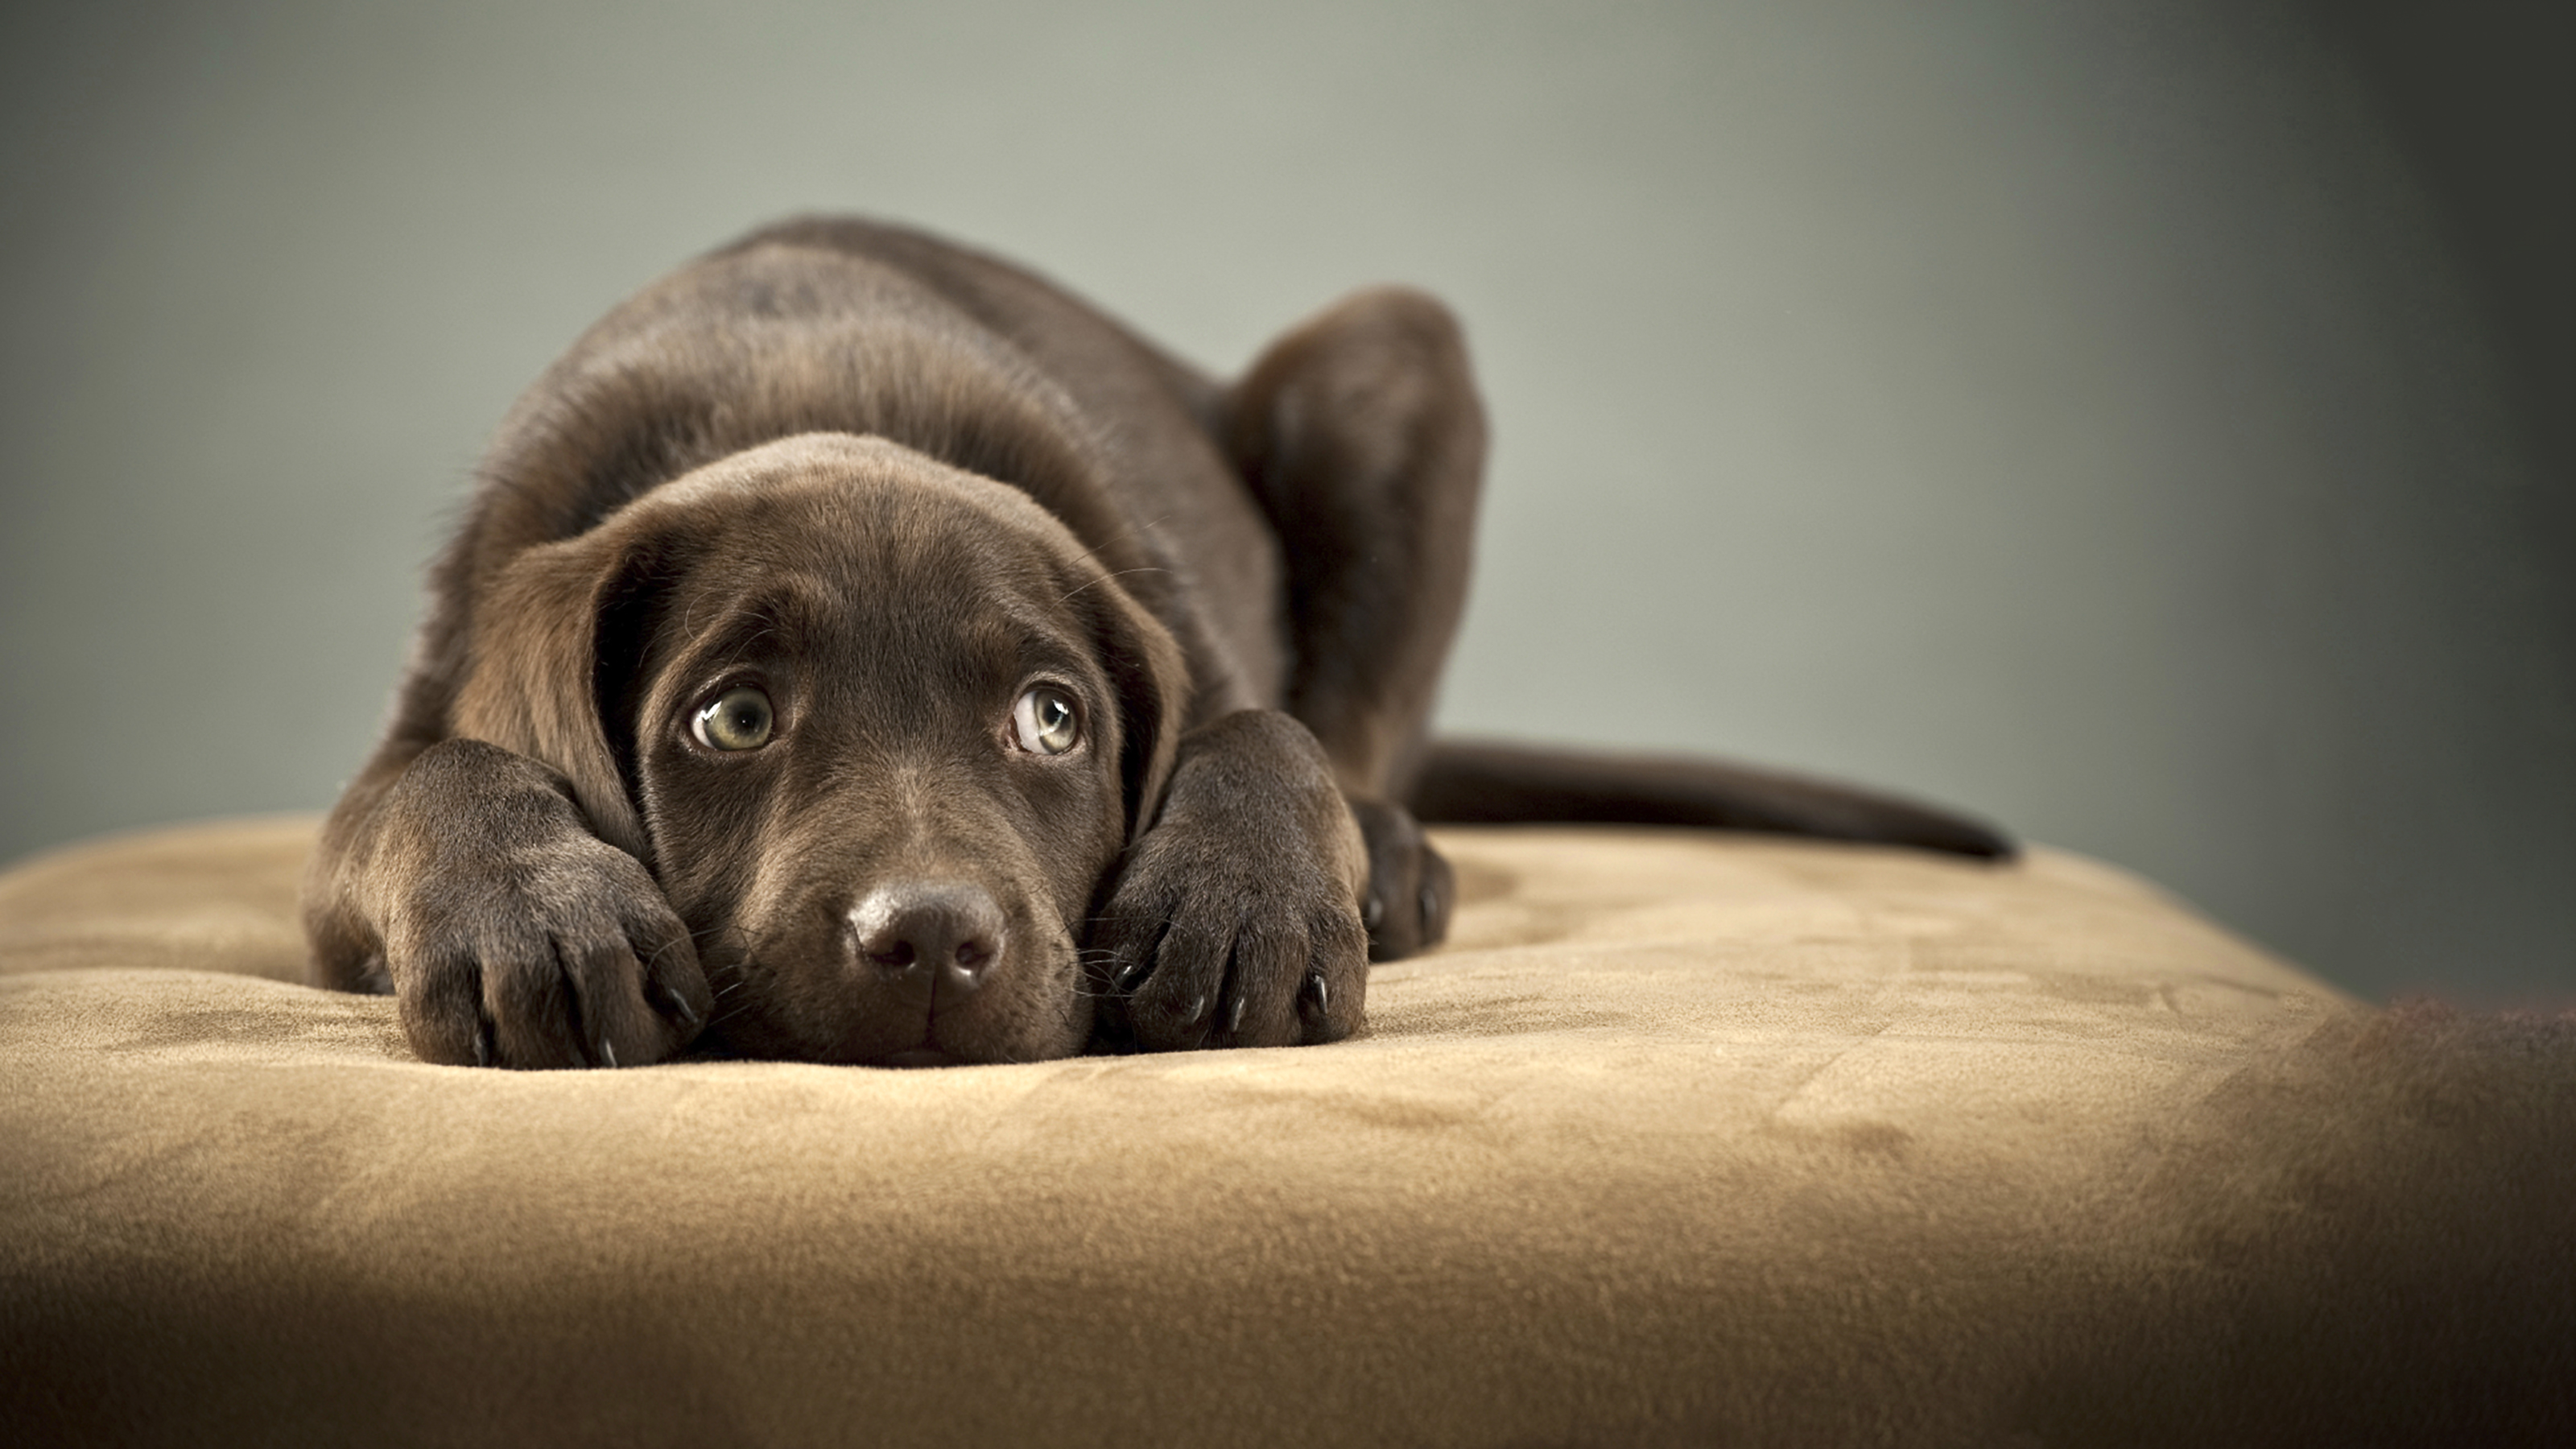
point(1104, 578)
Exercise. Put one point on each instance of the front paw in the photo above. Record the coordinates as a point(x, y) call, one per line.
point(516, 938)
point(1236, 919)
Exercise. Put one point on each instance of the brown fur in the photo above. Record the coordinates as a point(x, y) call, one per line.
point(894, 486)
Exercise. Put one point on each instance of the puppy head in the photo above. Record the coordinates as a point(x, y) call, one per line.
point(879, 728)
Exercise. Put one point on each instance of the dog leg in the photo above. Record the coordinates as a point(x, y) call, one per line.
point(1362, 435)
point(465, 880)
point(1235, 920)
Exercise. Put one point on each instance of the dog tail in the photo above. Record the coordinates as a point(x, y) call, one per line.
point(1477, 782)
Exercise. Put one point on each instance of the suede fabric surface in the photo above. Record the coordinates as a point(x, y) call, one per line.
point(1682, 1139)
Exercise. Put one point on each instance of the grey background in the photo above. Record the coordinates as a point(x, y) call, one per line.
point(2142, 423)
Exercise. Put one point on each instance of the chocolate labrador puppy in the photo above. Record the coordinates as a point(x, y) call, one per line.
point(861, 651)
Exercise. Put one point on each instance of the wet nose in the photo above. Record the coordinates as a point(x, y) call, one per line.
point(928, 936)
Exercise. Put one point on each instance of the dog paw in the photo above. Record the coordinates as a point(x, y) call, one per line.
point(1236, 920)
point(518, 939)
point(1410, 886)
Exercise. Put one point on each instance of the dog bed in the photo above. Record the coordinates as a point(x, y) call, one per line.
point(1682, 1139)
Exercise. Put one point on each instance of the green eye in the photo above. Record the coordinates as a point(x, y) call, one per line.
point(739, 719)
point(1045, 722)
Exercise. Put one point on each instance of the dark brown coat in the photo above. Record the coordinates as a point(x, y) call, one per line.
point(864, 651)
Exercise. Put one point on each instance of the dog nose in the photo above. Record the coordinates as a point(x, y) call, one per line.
point(940, 936)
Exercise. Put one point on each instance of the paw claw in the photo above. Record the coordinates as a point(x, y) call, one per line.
point(680, 1006)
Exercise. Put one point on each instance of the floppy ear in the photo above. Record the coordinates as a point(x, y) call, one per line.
point(1153, 682)
point(555, 640)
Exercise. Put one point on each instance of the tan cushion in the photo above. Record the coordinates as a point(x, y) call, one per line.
point(1683, 1139)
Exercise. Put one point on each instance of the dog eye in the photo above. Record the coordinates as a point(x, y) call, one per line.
point(1045, 722)
point(739, 719)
